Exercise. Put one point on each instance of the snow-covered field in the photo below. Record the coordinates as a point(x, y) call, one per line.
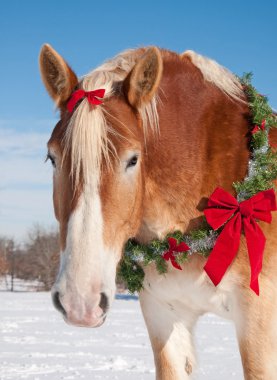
point(35, 344)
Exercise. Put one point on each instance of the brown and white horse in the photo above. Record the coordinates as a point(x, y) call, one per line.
point(170, 130)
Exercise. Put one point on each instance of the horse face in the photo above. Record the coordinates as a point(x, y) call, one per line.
point(97, 198)
point(95, 223)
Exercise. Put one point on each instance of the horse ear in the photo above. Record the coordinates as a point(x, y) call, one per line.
point(143, 81)
point(57, 76)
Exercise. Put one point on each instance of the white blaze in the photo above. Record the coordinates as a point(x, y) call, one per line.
point(87, 266)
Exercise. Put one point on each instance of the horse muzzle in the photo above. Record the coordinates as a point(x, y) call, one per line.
point(80, 313)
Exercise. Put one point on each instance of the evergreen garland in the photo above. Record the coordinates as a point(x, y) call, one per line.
point(262, 166)
point(262, 170)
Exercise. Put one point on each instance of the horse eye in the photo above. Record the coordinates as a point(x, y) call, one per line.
point(52, 159)
point(132, 162)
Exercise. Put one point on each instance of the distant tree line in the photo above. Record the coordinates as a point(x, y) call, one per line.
point(35, 261)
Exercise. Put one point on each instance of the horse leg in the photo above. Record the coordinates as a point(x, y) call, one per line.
point(256, 324)
point(170, 333)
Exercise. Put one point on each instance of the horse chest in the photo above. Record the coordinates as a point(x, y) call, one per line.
point(189, 291)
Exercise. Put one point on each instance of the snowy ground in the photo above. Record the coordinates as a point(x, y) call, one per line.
point(35, 344)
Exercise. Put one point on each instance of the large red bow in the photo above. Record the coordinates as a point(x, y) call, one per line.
point(224, 208)
point(92, 97)
point(174, 247)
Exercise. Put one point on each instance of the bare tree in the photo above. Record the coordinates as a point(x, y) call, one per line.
point(41, 254)
point(3, 257)
point(7, 267)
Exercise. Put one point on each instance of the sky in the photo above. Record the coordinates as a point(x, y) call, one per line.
point(240, 35)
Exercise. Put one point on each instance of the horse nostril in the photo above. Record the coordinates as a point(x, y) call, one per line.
point(104, 302)
point(57, 303)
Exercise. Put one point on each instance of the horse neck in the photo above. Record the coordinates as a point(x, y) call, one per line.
point(202, 145)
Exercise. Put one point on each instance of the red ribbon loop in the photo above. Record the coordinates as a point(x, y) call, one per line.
point(174, 247)
point(224, 209)
point(92, 97)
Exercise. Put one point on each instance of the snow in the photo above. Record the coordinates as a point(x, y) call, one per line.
point(36, 344)
point(20, 285)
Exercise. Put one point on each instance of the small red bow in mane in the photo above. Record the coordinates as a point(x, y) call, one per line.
point(174, 247)
point(259, 128)
point(92, 97)
point(224, 209)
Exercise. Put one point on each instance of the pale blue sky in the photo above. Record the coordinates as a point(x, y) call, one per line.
point(241, 35)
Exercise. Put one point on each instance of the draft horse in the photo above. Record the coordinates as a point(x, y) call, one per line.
point(169, 130)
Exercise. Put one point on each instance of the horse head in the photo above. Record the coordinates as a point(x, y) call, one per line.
point(97, 154)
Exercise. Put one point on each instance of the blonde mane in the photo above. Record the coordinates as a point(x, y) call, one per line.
point(87, 133)
point(86, 138)
point(212, 72)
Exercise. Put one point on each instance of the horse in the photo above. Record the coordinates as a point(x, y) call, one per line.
point(140, 163)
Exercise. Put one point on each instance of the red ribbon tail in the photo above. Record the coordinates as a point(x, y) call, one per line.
point(255, 240)
point(166, 255)
point(224, 251)
point(174, 263)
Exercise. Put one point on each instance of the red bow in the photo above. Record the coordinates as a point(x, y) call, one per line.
point(224, 208)
point(173, 247)
point(259, 128)
point(92, 97)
